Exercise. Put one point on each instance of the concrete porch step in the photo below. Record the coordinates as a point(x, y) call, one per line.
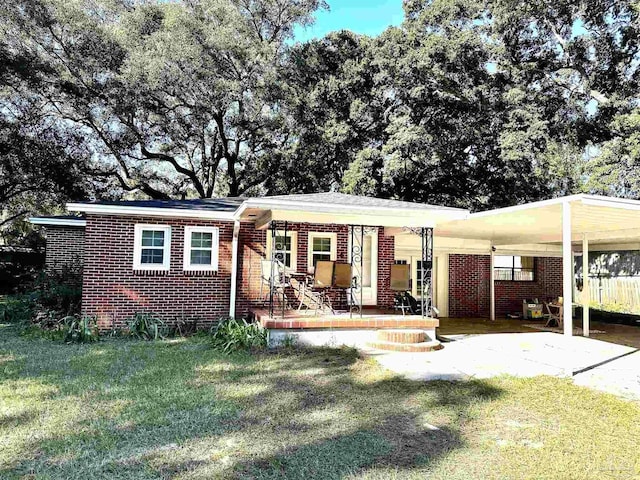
point(429, 346)
point(402, 336)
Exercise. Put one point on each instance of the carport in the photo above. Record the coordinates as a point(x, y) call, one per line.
point(560, 226)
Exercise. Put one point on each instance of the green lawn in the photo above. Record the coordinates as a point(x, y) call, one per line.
point(177, 409)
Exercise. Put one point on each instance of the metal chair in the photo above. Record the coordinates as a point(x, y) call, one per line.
point(400, 279)
point(554, 317)
point(280, 279)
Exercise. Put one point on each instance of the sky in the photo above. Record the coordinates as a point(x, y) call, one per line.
point(369, 17)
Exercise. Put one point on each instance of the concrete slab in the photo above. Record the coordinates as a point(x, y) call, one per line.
point(522, 355)
point(620, 377)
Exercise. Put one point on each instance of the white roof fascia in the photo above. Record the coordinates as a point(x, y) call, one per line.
point(69, 222)
point(527, 206)
point(611, 202)
point(150, 211)
point(340, 208)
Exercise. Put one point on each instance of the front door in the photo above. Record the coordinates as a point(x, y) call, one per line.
point(368, 277)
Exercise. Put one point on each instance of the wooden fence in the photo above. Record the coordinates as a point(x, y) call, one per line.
point(620, 293)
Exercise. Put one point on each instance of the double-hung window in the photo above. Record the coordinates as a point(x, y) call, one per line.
point(286, 248)
point(201, 248)
point(514, 268)
point(152, 248)
point(321, 246)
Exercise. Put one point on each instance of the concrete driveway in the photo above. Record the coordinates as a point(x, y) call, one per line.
point(594, 363)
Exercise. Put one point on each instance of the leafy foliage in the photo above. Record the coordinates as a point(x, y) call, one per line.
point(231, 335)
point(147, 326)
point(468, 103)
point(82, 329)
point(17, 309)
point(173, 98)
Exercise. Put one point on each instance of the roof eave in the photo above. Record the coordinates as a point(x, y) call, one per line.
point(99, 209)
point(60, 222)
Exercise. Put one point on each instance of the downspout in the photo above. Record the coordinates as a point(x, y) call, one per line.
point(234, 268)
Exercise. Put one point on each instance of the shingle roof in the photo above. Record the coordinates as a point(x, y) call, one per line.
point(335, 198)
point(227, 204)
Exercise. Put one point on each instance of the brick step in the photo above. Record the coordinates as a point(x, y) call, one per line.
point(402, 336)
point(430, 346)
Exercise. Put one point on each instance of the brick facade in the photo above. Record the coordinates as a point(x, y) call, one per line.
point(65, 247)
point(114, 292)
point(252, 248)
point(469, 286)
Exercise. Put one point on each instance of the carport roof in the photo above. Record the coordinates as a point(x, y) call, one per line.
point(601, 219)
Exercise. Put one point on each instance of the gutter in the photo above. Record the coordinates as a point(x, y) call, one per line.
point(234, 268)
point(62, 222)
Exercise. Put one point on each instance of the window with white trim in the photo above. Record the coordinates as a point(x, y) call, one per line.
point(514, 268)
point(288, 247)
point(201, 245)
point(152, 247)
point(320, 246)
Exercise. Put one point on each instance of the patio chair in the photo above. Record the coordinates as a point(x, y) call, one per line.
point(400, 279)
point(343, 279)
point(554, 317)
point(280, 280)
point(312, 293)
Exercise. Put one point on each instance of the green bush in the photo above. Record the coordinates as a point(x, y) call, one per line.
point(231, 335)
point(59, 291)
point(147, 326)
point(17, 309)
point(80, 329)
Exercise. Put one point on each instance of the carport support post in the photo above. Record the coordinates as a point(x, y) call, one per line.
point(492, 288)
point(567, 269)
point(586, 292)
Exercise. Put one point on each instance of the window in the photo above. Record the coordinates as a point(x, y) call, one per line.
point(514, 268)
point(201, 248)
point(286, 248)
point(321, 246)
point(152, 247)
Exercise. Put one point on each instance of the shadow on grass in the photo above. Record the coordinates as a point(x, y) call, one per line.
point(148, 410)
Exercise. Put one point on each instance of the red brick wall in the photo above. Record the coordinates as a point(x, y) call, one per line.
point(547, 284)
point(114, 292)
point(469, 286)
point(253, 247)
point(65, 247)
point(386, 256)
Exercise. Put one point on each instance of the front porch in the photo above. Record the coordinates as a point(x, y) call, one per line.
point(374, 318)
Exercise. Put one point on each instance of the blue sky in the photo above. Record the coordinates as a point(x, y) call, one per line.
point(368, 17)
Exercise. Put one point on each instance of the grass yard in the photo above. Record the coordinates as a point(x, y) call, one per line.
point(176, 409)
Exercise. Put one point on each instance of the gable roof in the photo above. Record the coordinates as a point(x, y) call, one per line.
point(224, 204)
point(335, 198)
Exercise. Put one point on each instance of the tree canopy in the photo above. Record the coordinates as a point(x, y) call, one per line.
point(467, 103)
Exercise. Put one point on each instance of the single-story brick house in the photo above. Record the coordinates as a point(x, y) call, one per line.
point(203, 259)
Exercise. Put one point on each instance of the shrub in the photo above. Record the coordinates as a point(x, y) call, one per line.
point(231, 335)
point(17, 309)
point(147, 326)
point(80, 329)
point(60, 291)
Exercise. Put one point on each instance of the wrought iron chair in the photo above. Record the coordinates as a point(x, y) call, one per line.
point(400, 279)
point(280, 278)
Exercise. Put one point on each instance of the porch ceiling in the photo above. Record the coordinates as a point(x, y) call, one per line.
point(604, 220)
